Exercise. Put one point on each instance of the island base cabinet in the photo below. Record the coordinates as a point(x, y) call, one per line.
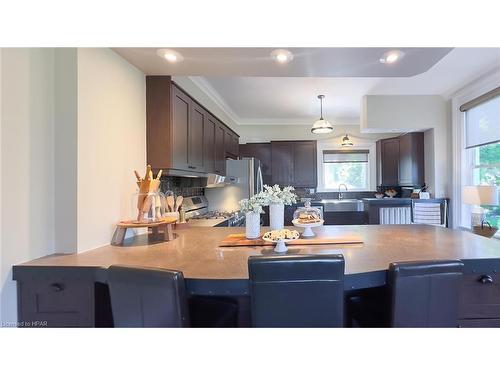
point(480, 294)
point(48, 298)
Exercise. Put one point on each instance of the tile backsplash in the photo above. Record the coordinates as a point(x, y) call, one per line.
point(185, 186)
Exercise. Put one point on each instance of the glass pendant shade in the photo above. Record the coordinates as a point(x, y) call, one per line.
point(346, 141)
point(321, 126)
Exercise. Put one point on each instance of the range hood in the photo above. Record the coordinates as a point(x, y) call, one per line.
point(215, 180)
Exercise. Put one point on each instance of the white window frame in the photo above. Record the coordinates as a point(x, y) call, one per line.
point(462, 175)
point(335, 144)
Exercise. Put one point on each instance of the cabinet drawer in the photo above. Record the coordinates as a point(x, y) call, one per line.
point(55, 298)
point(480, 297)
point(479, 323)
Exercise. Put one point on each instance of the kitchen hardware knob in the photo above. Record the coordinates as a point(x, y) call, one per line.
point(57, 287)
point(191, 167)
point(486, 279)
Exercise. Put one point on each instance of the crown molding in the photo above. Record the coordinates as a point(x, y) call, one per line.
point(295, 121)
point(209, 90)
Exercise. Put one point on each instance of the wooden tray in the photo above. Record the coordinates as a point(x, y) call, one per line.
point(239, 239)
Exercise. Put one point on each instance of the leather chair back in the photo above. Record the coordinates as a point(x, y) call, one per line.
point(425, 294)
point(297, 290)
point(147, 297)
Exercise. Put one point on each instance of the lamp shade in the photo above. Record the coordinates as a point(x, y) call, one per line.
point(322, 126)
point(479, 195)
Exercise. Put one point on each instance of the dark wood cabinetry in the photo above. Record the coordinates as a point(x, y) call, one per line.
point(388, 165)
point(209, 143)
point(411, 159)
point(231, 144)
point(182, 134)
point(294, 163)
point(195, 137)
point(400, 160)
point(261, 151)
point(220, 150)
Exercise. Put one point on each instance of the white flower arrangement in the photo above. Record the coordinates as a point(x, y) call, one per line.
point(270, 195)
point(254, 204)
point(276, 195)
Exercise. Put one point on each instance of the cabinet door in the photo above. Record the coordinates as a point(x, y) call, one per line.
point(209, 144)
point(304, 164)
point(181, 108)
point(411, 159)
point(282, 163)
point(232, 145)
point(196, 133)
point(220, 151)
point(261, 151)
point(390, 161)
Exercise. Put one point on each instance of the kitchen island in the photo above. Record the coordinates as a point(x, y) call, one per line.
point(213, 270)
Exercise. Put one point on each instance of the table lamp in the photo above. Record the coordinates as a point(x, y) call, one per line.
point(477, 196)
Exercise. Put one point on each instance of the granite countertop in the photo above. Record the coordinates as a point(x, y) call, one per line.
point(196, 252)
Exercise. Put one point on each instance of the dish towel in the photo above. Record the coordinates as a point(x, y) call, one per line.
point(427, 213)
point(395, 215)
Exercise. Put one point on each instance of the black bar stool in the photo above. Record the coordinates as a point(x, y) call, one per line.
point(154, 297)
point(418, 294)
point(297, 290)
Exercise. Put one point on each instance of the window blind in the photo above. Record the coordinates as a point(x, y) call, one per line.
point(345, 156)
point(482, 123)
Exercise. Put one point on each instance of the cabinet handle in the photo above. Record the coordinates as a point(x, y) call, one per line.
point(57, 287)
point(486, 279)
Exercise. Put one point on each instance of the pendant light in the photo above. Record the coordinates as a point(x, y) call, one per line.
point(321, 126)
point(346, 141)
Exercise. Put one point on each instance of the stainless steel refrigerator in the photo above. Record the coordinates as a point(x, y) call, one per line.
point(243, 180)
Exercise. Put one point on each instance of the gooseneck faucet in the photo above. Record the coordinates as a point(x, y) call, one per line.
point(341, 195)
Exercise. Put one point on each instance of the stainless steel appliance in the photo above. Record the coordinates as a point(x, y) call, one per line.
point(244, 180)
point(198, 214)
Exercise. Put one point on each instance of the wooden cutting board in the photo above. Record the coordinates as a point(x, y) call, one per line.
point(239, 239)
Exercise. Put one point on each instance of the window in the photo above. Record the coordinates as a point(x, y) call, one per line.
point(485, 170)
point(349, 167)
point(482, 149)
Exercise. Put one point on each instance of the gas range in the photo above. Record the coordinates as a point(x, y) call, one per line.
point(198, 214)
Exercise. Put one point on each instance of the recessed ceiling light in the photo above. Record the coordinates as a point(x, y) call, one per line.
point(170, 55)
point(391, 57)
point(282, 56)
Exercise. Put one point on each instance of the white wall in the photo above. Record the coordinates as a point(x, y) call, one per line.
point(409, 113)
point(27, 164)
point(111, 142)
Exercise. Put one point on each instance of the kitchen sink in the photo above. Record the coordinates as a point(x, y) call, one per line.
point(343, 205)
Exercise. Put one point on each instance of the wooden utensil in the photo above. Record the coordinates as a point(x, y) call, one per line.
point(178, 202)
point(170, 203)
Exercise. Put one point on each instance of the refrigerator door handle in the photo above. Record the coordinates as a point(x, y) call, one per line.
point(260, 181)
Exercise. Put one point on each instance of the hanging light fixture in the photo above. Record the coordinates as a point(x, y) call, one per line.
point(321, 126)
point(346, 141)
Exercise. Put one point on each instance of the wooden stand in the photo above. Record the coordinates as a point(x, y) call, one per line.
point(121, 229)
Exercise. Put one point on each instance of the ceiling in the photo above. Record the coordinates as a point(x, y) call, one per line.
point(307, 62)
point(252, 89)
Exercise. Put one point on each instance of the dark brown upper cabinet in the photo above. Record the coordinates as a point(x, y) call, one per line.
point(183, 135)
point(411, 159)
point(262, 152)
point(400, 160)
point(231, 142)
point(220, 150)
point(294, 163)
point(209, 143)
point(388, 165)
point(196, 136)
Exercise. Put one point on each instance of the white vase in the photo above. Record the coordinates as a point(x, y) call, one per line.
point(276, 216)
point(252, 225)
